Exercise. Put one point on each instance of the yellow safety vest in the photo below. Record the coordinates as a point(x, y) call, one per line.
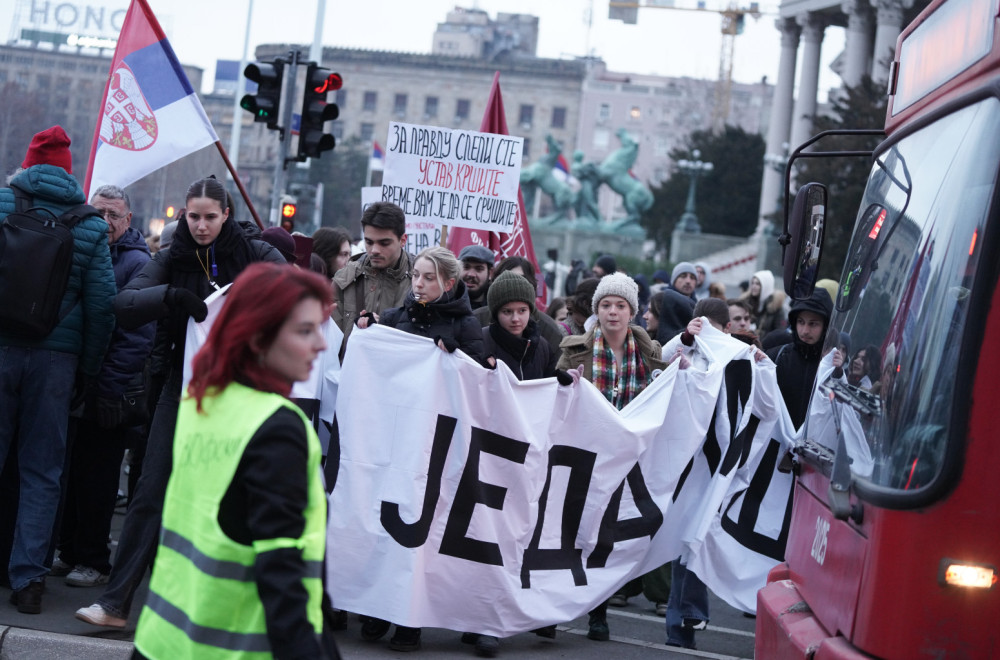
point(203, 602)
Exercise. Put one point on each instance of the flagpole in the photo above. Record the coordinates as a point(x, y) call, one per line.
point(239, 184)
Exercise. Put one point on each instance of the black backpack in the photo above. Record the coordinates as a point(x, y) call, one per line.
point(36, 256)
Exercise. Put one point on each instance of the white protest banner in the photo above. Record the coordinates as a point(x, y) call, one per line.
point(544, 497)
point(453, 177)
point(420, 234)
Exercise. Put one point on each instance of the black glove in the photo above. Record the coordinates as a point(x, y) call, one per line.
point(449, 343)
point(109, 411)
point(367, 315)
point(81, 390)
point(183, 299)
point(563, 377)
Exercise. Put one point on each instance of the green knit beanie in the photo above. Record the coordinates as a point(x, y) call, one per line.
point(509, 287)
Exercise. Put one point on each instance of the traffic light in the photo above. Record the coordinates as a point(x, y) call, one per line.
point(316, 111)
point(265, 103)
point(288, 210)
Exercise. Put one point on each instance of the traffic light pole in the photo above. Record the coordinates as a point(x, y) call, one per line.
point(284, 137)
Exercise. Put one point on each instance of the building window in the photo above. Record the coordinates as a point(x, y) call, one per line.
point(525, 116)
point(635, 113)
point(462, 109)
point(559, 117)
point(370, 99)
point(604, 112)
point(340, 98)
point(601, 138)
point(367, 132)
point(431, 107)
point(399, 104)
point(337, 129)
point(526, 150)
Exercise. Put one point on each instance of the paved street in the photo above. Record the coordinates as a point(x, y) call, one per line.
point(636, 632)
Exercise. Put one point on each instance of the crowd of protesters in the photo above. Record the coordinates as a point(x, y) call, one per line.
point(110, 376)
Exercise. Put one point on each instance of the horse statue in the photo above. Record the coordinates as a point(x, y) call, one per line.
point(589, 176)
point(539, 175)
point(615, 173)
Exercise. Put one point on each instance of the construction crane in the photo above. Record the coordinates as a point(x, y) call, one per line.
point(733, 20)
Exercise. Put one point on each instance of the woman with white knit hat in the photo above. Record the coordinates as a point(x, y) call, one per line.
point(619, 359)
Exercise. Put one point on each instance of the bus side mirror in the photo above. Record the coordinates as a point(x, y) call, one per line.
point(805, 229)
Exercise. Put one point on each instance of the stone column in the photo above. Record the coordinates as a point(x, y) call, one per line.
point(889, 23)
point(858, 46)
point(779, 125)
point(813, 26)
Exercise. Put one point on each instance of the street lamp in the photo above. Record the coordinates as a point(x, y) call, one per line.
point(693, 168)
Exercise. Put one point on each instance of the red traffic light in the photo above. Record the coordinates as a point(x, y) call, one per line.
point(288, 210)
point(331, 83)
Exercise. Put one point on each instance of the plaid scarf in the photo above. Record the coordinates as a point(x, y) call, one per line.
point(618, 387)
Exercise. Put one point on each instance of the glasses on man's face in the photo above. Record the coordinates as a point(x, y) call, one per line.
point(108, 214)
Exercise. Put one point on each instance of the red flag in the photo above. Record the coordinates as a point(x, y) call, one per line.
point(518, 242)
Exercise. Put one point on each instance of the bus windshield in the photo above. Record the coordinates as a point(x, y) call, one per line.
point(903, 299)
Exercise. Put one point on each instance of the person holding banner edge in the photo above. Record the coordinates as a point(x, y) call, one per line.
point(437, 307)
point(620, 360)
point(209, 250)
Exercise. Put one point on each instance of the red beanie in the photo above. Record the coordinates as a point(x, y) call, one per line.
point(50, 147)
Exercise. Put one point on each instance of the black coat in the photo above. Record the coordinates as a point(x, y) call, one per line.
point(528, 356)
point(798, 362)
point(449, 318)
point(143, 299)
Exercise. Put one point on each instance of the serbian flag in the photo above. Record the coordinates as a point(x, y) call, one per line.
point(561, 169)
point(378, 157)
point(150, 116)
point(518, 242)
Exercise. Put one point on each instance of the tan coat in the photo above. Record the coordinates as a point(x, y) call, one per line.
point(579, 349)
point(383, 289)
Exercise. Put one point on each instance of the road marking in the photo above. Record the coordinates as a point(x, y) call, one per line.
point(659, 619)
point(658, 647)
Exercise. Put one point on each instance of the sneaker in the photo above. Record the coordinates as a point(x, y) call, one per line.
point(694, 624)
point(487, 646)
point(661, 609)
point(598, 629)
point(618, 600)
point(85, 576)
point(374, 629)
point(405, 639)
point(96, 615)
point(60, 568)
point(29, 599)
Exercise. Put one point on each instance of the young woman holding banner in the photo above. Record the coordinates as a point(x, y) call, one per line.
point(620, 360)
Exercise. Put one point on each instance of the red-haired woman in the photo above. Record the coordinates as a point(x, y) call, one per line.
point(244, 519)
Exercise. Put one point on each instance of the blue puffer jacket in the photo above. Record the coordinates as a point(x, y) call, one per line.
point(129, 348)
point(86, 329)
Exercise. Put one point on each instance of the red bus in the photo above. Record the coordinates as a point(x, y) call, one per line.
point(895, 534)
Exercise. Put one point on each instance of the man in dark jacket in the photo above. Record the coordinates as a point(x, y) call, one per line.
point(38, 374)
point(477, 268)
point(798, 361)
point(102, 432)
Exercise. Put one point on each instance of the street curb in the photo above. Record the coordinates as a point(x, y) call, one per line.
point(21, 643)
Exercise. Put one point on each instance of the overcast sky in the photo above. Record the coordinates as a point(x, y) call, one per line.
point(664, 42)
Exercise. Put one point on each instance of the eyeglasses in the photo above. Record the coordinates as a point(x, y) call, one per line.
point(108, 214)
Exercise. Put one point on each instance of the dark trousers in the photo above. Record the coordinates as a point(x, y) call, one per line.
point(141, 530)
point(91, 489)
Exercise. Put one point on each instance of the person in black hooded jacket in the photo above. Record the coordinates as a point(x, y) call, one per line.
point(208, 251)
point(514, 337)
point(798, 361)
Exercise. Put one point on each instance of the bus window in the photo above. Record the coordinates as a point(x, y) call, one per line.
point(905, 294)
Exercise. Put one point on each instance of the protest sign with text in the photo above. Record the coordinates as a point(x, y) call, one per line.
point(453, 177)
point(545, 497)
